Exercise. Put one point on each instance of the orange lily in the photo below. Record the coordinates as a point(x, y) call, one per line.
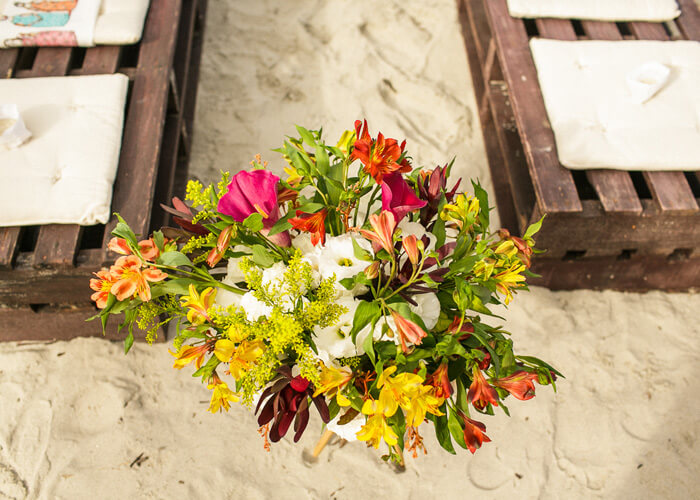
point(480, 392)
point(132, 280)
point(217, 253)
point(149, 250)
point(102, 285)
point(119, 245)
point(520, 384)
point(474, 433)
point(410, 245)
point(441, 382)
point(333, 380)
point(384, 225)
point(311, 223)
point(379, 156)
point(408, 331)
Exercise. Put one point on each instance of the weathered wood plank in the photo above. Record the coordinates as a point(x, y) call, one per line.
point(479, 27)
point(136, 177)
point(553, 184)
point(8, 59)
point(689, 20)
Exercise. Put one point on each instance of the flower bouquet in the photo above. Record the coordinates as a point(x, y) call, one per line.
point(357, 285)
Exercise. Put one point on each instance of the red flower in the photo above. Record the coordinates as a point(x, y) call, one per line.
point(381, 156)
point(398, 197)
point(480, 392)
point(466, 330)
point(441, 382)
point(520, 384)
point(474, 431)
point(311, 223)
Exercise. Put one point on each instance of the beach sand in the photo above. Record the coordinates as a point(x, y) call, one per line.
point(82, 421)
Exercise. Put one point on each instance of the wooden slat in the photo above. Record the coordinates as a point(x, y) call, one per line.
point(101, 60)
point(479, 27)
point(138, 164)
point(554, 185)
point(9, 236)
point(689, 20)
point(670, 189)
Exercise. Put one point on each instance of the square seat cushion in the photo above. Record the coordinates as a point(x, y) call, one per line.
point(597, 121)
point(65, 172)
point(600, 10)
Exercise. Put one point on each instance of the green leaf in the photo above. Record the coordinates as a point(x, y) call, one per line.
point(122, 230)
point(333, 408)
point(178, 286)
point(282, 224)
point(533, 228)
point(450, 346)
point(306, 136)
point(442, 431)
point(254, 222)
point(174, 259)
point(366, 313)
point(322, 162)
point(461, 398)
point(439, 232)
point(206, 370)
point(261, 256)
point(456, 430)
point(359, 252)
point(159, 239)
point(483, 198)
point(537, 361)
point(368, 346)
point(128, 342)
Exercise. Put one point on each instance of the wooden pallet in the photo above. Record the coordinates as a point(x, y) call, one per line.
point(44, 270)
point(604, 229)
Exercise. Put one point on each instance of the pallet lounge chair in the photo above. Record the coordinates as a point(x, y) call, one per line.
point(604, 229)
point(44, 270)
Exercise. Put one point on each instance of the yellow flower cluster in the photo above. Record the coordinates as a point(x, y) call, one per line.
point(406, 391)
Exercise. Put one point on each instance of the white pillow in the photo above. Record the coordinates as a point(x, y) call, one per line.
point(598, 120)
point(602, 10)
point(65, 172)
point(120, 22)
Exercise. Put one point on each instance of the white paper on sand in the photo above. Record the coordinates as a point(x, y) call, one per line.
point(599, 121)
point(71, 22)
point(64, 23)
point(65, 173)
point(601, 10)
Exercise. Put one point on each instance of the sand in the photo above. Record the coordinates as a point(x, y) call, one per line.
point(81, 420)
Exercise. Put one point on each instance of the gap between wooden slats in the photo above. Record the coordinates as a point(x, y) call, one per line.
point(670, 189)
point(553, 184)
point(613, 187)
point(689, 20)
point(9, 236)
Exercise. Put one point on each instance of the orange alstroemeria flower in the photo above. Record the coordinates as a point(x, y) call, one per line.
point(520, 384)
point(380, 156)
point(480, 392)
point(384, 225)
point(149, 250)
point(198, 304)
point(408, 331)
point(188, 353)
point(132, 280)
point(410, 246)
point(441, 382)
point(311, 223)
point(119, 245)
point(474, 433)
point(222, 243)
point(102, 285)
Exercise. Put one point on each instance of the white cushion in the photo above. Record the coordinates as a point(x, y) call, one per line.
point(597, 119)
point(120, 22)
point(602, 10)
point(93, 22)
point(65, 172)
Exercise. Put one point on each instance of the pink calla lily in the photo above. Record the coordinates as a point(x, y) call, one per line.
point(398, 197)
point(254, 192)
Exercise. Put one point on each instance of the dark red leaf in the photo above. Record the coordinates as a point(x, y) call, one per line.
point(322, 408)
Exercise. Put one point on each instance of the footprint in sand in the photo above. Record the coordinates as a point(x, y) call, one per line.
point(30, 440)
point(12, 486)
